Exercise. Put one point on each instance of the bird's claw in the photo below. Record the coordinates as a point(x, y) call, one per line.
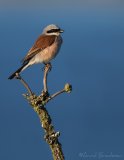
point(17, 76)
point(47, 66)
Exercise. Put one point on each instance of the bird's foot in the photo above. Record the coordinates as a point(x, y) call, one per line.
point(17, 76)
point(48, 67)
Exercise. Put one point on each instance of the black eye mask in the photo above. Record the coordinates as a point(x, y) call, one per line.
point(53, 30)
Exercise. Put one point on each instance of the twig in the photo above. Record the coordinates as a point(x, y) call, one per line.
point(55, 94)
point(47, 68)
point(67, 88)
point(24, 83)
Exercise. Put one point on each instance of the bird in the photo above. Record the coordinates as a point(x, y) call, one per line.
point(45, 48)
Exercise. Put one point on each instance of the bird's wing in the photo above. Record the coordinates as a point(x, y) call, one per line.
point(41, 43)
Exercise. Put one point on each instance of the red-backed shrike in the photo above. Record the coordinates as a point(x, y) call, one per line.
point(44, 49)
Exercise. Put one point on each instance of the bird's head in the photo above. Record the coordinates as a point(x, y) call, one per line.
point(52, 29)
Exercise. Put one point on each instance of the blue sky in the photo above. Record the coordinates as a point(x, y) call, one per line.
point(90, 119)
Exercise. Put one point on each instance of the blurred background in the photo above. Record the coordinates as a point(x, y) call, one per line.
point(90, 119)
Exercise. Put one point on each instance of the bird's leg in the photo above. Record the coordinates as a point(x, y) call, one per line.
point(47, 68)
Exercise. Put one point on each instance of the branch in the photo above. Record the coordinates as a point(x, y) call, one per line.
point(67, 88)
point(47, 68)
point(38, 104)
point(51, 136)
point(24, 83)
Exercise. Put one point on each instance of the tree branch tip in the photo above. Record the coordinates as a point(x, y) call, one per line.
point(68, 88)
point(25, 95)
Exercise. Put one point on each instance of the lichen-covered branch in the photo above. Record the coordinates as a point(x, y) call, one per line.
point(51, 136)
point(38, 104)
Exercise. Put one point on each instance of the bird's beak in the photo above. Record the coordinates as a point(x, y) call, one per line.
point(61, 31)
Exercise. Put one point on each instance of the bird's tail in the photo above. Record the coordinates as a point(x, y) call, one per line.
point(17, 71)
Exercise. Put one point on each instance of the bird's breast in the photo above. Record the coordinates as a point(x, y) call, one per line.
point(49, 52)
